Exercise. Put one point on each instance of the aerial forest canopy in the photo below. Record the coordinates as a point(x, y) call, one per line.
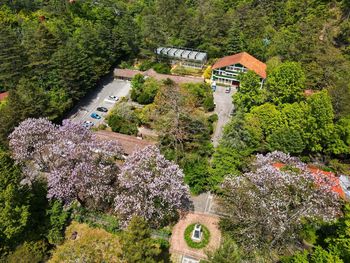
point(54, 52)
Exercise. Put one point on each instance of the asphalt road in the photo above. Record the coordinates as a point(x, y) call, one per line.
point(99, 98)
point(223, 109)
point(205, 202)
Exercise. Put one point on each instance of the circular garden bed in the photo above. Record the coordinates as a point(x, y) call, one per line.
point(193, 244)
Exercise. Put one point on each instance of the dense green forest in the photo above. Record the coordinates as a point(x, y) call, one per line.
point(53, 52)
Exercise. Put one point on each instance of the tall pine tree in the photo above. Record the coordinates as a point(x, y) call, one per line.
point(40, 45)
point(12, 59)
point(234, 42)
point(137, 244)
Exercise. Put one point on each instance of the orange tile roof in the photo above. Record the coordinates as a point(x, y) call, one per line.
point(309, 92)
point(244, 59)
point(129, 143)
point(130, 73)
point(126, 73)
point(3, 96)
point(316, 172)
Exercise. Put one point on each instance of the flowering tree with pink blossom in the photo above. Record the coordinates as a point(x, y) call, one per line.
point(151, 187)
point(76, 165)
point(265, 208)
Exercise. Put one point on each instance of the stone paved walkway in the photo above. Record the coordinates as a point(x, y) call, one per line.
point(178, 244)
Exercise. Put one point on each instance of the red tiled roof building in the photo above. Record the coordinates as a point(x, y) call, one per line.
point(3, 95)
point(318, 174)
point(227, 69)
point(128, 74)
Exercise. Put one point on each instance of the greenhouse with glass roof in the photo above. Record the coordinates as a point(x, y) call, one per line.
point(186, 57)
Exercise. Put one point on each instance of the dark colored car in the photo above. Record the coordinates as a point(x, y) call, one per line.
point(102, 109)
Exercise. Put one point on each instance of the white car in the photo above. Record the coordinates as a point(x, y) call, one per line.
point(115, 98)
point(88, 124)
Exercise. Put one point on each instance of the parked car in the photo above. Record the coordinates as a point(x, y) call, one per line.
point(95, 116)
point(213, 86)
point(115, 98)
point(228, 90)
point(102, 109)
point(88, 124)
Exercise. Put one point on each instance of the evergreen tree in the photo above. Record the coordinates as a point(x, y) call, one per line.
point(28, 100)
point(72, 70)
point(234, 43)
point(14, 202)
point(137, 244)
point(228, 252)
point(340, 99)
point(40, 44)
point(11, 58)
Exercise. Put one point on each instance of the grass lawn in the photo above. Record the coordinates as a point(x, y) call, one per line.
point(90, 245)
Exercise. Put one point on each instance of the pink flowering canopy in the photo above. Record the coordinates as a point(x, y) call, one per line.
point(266, 208)
point(75, 164)
point(150, 186)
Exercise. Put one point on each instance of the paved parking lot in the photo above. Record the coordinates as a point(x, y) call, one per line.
point(99, 98)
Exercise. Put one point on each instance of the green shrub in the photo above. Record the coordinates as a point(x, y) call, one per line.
point(92, 245)
point(202, 93)
point(309, 231)
point(196, 169)
point(148, 92)
point(163, 244)
point(339, 167)
point(119, 124)
point(29, 252)
point(58, 220)
point(305, 159)
point(123, 119)
point(213, 118)
point(99, 127)
point(193, 244)
point(162, 68)
point(181, 70)
point(208, 103)
point(228, 252)
point(136, 86)
point(290, 168)
point(96, 219)
point(146, 64)
point(126, 64)
point(143, 90)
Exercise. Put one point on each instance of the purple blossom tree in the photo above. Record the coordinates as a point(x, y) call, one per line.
point(76, 165)
point(152, 187)
point(30, 139)
point(265, 208)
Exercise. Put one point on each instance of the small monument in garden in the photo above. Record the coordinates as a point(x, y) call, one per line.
point(197, 233)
